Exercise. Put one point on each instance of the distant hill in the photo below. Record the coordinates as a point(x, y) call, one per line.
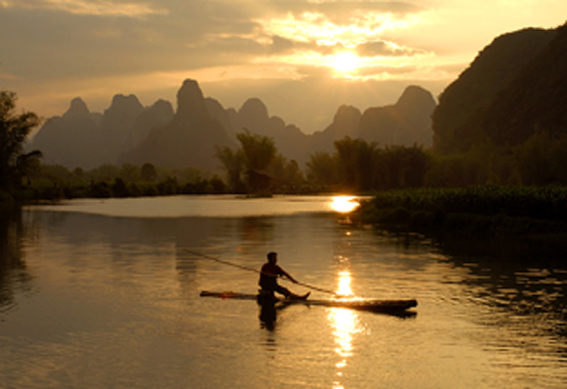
point(345, 123)
point(68, 139)
point(127, 132)
point(189, 139)
point(404, 123)
point(83, 139)
point(253, 115)
point(474, 104)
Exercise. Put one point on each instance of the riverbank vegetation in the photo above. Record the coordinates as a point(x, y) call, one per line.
point(14, 162)
point(55, 182)
point(490, 211)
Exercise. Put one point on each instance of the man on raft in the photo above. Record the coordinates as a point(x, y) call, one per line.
point(269, 279)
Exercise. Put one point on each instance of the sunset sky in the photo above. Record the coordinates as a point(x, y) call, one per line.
point(301, 57)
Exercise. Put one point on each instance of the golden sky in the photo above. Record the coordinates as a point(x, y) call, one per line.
point(362, 53)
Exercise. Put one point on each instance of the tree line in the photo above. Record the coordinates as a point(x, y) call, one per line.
point(256, 167)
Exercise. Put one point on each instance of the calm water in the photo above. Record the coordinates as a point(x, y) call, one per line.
point(104, 294)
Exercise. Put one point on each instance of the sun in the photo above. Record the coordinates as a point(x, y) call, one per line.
point(345, 62)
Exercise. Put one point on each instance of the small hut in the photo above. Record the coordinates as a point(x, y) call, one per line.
point(260, 180)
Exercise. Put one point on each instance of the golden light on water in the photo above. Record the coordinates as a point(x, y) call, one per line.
point(344, 322)
point(345, 325)
point(344, 204)
point(344, 288)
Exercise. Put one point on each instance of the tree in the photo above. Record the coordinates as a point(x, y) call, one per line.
point(14, 129)
point(129, 172)
point(322, 168)
point(259, 151)
point(357, 159)
point(417, 163)
point(105, 172)
point(233, 163)
point(287, 173)
point(347, 157)
point(541, 160)
point(148, 172)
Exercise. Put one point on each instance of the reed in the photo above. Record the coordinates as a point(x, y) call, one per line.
point(484, 209)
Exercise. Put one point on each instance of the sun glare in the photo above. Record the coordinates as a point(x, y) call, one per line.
point(344, 204)
point(344, 288)
point(345, 62)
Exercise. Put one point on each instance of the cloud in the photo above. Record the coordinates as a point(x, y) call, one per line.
point(86, 7)
point(78, 38)
point(77, 47)
point(345, 23)
point(280, 45)
point(385, 48)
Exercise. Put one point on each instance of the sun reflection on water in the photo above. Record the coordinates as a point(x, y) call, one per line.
point(344, 288)
point(344, 204)
point(345, 324)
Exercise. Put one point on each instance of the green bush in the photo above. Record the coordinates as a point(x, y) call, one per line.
point(100, 190)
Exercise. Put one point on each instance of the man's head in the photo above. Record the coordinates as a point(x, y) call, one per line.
point(272, 257)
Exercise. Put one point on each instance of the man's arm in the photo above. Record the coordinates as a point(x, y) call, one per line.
point(286, 274)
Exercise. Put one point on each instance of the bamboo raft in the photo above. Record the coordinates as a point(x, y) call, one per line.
point(373, 305)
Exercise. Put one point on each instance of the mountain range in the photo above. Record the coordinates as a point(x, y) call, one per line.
point(186, 136)
point(515, 87)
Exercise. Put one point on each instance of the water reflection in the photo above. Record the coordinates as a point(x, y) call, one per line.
point(269, 312)
point(519, 296)
point(344, 288)
point(125, 290)
point(345, 324)
point(13, 271)
point(344, 204)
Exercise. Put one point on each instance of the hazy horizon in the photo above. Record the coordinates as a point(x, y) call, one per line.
point(302, 58)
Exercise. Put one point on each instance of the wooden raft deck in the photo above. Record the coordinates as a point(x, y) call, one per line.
point(373, 305)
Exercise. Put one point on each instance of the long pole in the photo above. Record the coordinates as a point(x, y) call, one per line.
point(254, 270)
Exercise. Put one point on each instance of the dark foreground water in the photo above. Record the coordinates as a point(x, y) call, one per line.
point(104, 294)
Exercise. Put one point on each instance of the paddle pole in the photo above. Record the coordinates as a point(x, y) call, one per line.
point(255, 270)
point(317, 288)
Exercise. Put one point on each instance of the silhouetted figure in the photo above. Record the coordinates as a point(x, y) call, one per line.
point(269, 279)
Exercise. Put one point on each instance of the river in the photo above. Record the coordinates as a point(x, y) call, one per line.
point(105, 294)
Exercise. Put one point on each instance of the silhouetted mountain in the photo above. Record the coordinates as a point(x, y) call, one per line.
point(157, 115)
point(217, 111)
point(405, 123)
point(345, 123)
point(83, 139)
point(188, 140)
point(535, 100)
point(116, 126)
point(129, 133)
point(253, 115)
point(457, 118)
point(68, 140)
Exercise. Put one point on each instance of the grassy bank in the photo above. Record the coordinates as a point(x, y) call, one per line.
point(480, 211)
